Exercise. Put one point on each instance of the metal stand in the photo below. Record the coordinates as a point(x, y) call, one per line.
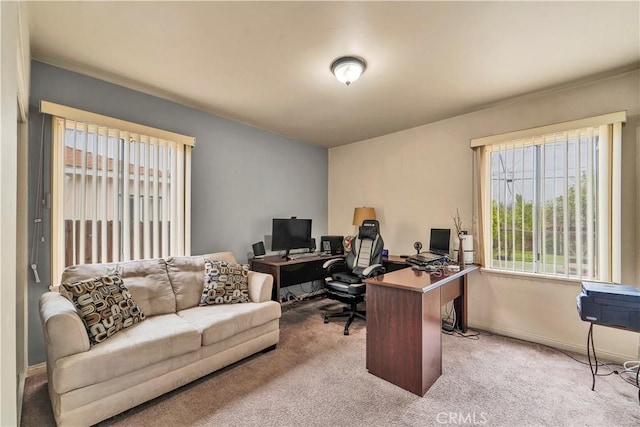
point(591, 348)
point(594, 366)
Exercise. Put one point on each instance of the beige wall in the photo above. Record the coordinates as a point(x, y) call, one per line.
point(13, 91)
point(417, 178)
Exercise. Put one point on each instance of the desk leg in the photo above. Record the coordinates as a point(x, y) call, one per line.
point(460, 305)
point(275, 293)
point(272, 270)
point(404, 343)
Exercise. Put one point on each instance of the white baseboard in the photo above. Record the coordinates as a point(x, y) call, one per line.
point(527, 336)
point(36, 369)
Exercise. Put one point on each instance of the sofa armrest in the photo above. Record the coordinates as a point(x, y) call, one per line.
point(64, 331)
point(260, 286)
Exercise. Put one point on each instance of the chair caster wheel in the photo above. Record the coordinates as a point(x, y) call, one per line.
point(346, 332)
point(326, 320)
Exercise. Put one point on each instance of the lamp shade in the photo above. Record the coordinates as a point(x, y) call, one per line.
point(360, 214)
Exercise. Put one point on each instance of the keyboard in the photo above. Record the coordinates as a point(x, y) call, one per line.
point(302, 256)
point(426, 258)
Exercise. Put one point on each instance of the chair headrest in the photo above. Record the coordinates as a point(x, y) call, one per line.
point(369, 229)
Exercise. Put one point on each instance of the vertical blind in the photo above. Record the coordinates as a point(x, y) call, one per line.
point(118, 192)
point(547, 202)
point(551, 199)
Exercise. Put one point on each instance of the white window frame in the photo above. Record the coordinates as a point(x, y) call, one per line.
point(610, 179)
point(180, 242)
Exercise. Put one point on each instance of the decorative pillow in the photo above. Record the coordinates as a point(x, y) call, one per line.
point(104, 304)
point(225, 283)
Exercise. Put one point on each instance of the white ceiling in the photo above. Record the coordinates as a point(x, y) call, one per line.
point(267, 63)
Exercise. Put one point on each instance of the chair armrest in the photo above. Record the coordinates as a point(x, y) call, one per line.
point(260, 286)
point(334, 265)
point(64, 331)
point(373, 270)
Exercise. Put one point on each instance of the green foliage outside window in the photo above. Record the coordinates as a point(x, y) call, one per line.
point(515, 221)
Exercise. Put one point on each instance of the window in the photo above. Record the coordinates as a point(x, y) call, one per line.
point(550, 199)
point(120, 190)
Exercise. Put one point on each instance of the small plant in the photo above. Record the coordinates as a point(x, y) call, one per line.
point(457, 221)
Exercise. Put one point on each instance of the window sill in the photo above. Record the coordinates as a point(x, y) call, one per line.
point(533, 276)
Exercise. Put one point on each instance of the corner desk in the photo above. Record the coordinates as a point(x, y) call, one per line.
point(306, 269)
point(404, 342)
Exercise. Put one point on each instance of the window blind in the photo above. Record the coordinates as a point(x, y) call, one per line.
point(543, 193)
point(551, 201)
point(118, 193)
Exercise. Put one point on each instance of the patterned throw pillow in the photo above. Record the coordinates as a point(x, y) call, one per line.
point(104, 304)
point(225, 283)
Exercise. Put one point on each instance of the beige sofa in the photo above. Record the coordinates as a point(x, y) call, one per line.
point(177, 343)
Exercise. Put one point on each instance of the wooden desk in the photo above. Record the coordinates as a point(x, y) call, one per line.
point(404, 343)
point(287, 273)
point(292, 272)
point(394, 262)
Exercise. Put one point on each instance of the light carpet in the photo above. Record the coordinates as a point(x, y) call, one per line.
point(317, 377)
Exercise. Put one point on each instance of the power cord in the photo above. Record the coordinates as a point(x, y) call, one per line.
point(630, 372)
point(471, 336)
point(448, 327)
point(451, 329)
point(288, 296)
point(570, 356)
point(316, 289)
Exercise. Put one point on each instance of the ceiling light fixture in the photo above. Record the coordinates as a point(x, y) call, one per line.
point(348, 69)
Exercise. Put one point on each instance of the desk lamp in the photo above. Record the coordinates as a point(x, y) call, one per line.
point(359, 215)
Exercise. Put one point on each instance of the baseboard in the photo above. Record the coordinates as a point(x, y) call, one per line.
point(527, 336)
point(36, 369)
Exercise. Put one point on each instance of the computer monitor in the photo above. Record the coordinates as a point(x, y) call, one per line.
point(439, 241)
point(290, 233)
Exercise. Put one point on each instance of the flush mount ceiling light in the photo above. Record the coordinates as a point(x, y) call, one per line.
point(347, 69)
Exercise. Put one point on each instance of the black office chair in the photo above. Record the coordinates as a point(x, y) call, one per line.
point(345, 283)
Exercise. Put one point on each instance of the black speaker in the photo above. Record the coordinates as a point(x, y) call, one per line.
point(258, 249)
point(312, 245)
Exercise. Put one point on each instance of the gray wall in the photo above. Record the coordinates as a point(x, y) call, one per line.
point(242, 177)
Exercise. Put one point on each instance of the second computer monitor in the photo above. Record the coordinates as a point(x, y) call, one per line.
point(439, 241)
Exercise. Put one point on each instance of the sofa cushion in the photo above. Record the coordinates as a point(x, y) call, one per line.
point(147, 280)
point(219, 322)
point(156, 339)
point(186, 276)
point(76, 273)
point(149, 284)
point(225, 283)
point(104, 304)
